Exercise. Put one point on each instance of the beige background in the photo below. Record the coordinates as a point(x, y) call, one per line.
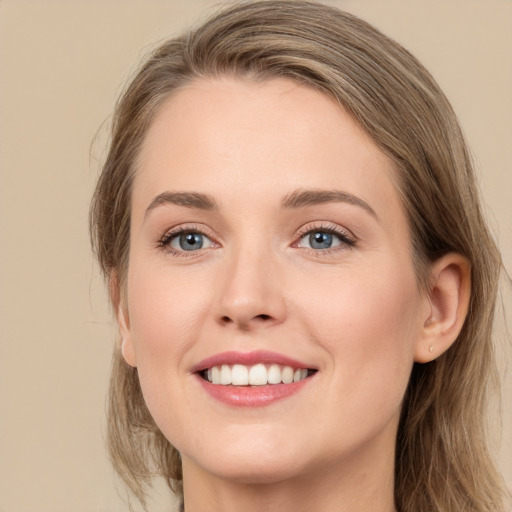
point(62, 64)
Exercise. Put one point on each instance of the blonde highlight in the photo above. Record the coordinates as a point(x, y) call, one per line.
point(442, 459)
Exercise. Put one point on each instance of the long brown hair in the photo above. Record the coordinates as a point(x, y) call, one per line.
point(442, 460)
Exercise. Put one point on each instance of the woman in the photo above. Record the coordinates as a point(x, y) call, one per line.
point(303, 280)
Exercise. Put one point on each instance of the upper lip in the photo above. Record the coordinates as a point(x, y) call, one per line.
point(248, 359)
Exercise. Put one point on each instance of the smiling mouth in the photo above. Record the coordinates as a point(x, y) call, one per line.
point(254, 375)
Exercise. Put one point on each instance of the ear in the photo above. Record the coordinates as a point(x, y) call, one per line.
point(118, 300)
point(449, 300)
point(127, 347)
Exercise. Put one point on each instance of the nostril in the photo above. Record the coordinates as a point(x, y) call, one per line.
point(228, 320)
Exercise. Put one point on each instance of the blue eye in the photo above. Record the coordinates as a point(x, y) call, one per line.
point(186, 241)
point(322, 239)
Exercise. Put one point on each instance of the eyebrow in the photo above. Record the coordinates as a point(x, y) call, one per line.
point(297, 199)
point(301, 198)
point(187, 199)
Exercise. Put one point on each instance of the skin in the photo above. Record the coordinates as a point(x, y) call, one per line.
point(353, 312)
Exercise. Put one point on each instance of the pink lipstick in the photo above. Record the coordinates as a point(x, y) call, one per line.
point(252, 379)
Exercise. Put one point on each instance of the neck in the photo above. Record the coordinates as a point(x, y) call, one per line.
point(362, 482)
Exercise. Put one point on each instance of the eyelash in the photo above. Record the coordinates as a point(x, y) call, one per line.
point(169, 236)
point(347, 240)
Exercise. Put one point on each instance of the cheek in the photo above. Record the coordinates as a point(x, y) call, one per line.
point(364, 302)
point(166, 313)
point(368, 324)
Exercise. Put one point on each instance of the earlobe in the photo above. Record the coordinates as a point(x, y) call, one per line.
point(127, 348)
point(123, 322)
point(449, 297)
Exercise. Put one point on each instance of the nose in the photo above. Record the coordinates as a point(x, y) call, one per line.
point(251, 292)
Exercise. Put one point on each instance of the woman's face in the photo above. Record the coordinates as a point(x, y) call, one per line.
point(268, 242)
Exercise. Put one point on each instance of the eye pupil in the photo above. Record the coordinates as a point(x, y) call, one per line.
point(191, 241)
point(320, 240)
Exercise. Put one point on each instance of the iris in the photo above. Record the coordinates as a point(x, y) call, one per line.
point(191, 241)
point(320, 240)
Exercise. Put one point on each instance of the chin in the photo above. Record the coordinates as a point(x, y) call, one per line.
point(249, 459)
point(265, 470)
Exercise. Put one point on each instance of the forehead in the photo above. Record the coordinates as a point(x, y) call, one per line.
point(229, 137)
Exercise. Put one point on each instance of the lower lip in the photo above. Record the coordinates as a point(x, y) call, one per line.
point(252, 396)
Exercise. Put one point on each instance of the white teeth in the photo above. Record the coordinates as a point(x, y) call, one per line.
point(256, 375)
point(300, 374)
point(225, 375)
point(215, 378)
point(274, 374)
point(239, 375)
point(287, 375)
